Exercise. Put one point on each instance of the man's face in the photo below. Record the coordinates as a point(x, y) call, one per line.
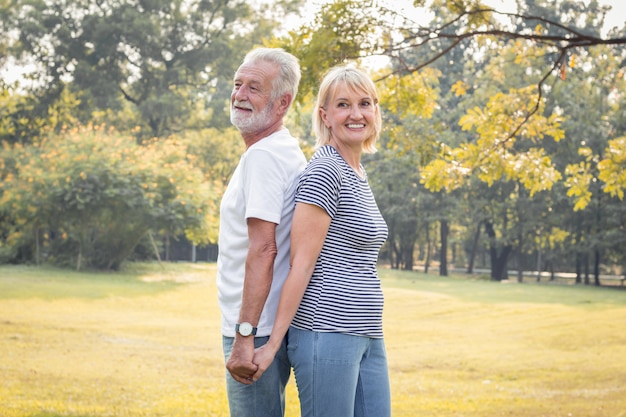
point(251, 105)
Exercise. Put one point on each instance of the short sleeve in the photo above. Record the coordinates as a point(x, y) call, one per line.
point(264, 186)
point(320, 184)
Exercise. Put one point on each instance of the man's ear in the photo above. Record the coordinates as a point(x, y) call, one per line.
point(285, 102)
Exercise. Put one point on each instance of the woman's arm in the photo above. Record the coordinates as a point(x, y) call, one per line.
point(308, 232)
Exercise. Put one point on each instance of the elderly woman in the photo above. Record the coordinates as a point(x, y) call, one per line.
point(331, 305)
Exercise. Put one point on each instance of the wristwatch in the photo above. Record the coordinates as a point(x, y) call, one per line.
point(245, 329)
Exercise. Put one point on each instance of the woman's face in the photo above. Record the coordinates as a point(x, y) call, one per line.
point(350, 115)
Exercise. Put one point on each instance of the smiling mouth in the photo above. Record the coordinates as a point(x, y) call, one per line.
point(243, 107)
point(355, 126)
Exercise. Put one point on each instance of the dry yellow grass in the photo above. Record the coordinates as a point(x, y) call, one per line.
point(96, 345)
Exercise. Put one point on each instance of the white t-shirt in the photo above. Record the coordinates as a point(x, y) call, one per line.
point(263, 187)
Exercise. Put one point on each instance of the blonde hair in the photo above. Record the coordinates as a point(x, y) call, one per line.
point(355, 80)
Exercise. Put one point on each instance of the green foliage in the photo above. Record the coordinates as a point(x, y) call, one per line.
point(88, 196)
point(342, 32)
point(159, 56)
point(466, 121)
point(215, 154)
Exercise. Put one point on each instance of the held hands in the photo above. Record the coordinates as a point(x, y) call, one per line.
point(263, 358)
point(240, 363)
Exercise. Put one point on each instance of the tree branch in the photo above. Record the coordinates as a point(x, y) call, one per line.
point(571, 39)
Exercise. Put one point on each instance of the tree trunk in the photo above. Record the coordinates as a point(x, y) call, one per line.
point(407, 255)
point(427, 259)
point(520, 272)
point(499, 264)
point(539, 265)
point(472, 259)
point(596, 267)
point(578, 268)
point(498, 261)
point(395, 262)
point(37, 249)
point(443, 256)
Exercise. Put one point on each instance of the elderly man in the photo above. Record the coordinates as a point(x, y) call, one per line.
point(255, 222)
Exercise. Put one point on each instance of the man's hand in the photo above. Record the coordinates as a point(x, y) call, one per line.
point(240, 363)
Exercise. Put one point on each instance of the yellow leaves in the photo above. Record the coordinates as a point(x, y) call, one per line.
point(474, 117)
point(612, 169)
point(493, 156)
point(578, 179)
point(535, 171)
point(446, 173)
point(459, 88)
point(553, 239)
point(553, 128)
point(435, 176)
point(413, 94)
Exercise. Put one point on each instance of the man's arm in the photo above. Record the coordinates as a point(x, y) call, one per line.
point(259, 272)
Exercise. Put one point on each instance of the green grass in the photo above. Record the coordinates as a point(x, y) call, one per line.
point(146, 342)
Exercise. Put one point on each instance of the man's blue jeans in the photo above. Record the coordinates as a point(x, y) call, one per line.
point(264, 398)
point(339, 375)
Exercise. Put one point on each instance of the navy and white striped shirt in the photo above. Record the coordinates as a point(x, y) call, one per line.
point(344, 294)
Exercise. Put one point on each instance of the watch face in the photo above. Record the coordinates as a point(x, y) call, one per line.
point(245, 329)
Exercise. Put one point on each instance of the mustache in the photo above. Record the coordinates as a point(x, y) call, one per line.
point(242, 105)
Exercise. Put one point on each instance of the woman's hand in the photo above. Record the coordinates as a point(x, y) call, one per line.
point(263, 358)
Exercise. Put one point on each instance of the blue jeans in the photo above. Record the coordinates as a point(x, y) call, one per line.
point(339, 375)
point(264, 398)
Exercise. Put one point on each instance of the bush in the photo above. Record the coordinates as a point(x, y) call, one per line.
point(89, 196)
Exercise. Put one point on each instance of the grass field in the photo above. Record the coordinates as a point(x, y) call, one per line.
point(146, 342)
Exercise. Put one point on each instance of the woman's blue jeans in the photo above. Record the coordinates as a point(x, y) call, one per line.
point(264, 398)
point(339, 375)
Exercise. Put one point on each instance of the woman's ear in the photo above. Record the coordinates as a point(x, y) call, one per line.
point(323, 117)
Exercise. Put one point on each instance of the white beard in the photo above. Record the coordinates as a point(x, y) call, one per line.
point(249, 122)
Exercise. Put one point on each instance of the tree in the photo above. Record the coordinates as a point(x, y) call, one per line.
point(537, 28)
point(340, 33)
point(159, 56)
point(406, 102)
point(88, 197)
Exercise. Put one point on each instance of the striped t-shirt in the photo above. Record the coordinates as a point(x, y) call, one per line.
point(344, 294)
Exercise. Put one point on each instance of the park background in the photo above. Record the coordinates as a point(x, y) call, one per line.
point(503, 144)
point(501, 164)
